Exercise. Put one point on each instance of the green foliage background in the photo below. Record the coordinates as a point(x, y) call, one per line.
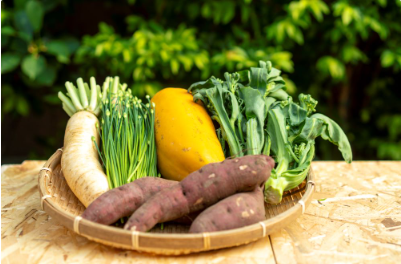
point(345, 53)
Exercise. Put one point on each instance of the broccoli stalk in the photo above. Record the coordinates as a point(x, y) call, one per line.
point(277, 131)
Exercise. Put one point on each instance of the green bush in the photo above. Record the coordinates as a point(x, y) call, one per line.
point(345, 53)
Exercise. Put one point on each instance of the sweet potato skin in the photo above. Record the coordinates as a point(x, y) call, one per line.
point(235, 211)
point(202, 188)
point(124, 200)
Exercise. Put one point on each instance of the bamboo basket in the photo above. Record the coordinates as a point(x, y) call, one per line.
point(173, 239)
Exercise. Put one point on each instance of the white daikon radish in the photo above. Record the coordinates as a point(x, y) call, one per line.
point(80, 160)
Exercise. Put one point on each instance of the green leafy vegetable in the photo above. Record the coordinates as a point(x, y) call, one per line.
point(256, 115)
point(127, 135)
point(333, 132)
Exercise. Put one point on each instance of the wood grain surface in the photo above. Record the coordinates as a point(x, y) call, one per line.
point(355, 217)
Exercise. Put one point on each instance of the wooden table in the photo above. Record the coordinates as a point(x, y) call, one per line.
point(355, 217)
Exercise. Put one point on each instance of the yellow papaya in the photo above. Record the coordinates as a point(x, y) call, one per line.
point(186, 138)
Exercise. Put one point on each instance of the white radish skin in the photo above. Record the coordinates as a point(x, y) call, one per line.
point(80, 160)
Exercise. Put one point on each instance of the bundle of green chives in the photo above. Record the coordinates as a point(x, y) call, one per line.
point(127, 135)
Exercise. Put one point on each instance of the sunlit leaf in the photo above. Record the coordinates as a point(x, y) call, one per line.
point(387, 58)
point(32, 66)
point(175, 66)
point(331, 66)
point(382, 3)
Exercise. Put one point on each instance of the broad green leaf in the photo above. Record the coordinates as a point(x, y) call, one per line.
point(52, 99)
point(7, 31)
point(47, 76)
point(4, 41)
point(229, 11)
point(33, 66)
point(273, 74)
point(332, 66)
point(20, 4)
point(333, 132)
point(387, 58)
point(254, 104)
point(209, 83)
point(352, 54)
point(186, 61)
point(59, 49)
point(206, 10)
point(175, 66)
point(296, 114)
point(258, 79)
point(319, 8)
point(382, 3)
point(49, 5)
point(245, 13)
point(347, 15)
point(296, 9)
point(22, 24)
point(282, 59)
point(312, 129)
point(280, 95)
point(9, 61)
point(22, 106)
point(35, 13)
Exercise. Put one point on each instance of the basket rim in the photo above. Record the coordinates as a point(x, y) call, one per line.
point(131, 240)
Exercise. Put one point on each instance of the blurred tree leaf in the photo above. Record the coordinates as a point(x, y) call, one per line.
point(22, 24)
point(9, 61)
point(331, 66)
point(8, 31)
point(382, 3)
point(52, 99)
point(47, 76)
point(388, 58)
point(22, 106)
point(72, 43)
point(352, 54)
point(33, 66)
point(35, 13)
point(12, 101)
point(60, 49)
point(20, 4)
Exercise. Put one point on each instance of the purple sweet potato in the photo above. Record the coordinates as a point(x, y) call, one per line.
point(187, 219)
point(235, 211)
point(202, 188)
point(124, 200)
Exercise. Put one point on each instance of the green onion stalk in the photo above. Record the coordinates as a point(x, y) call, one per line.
point(128, 149)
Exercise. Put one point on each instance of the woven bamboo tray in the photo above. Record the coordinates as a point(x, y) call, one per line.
point(61, 204)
